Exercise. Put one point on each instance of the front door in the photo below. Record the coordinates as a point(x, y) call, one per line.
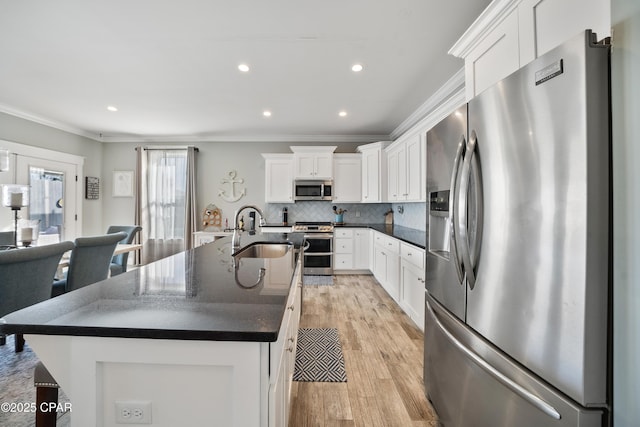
point(52, 209)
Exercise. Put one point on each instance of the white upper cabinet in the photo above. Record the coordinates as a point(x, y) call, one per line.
point(511, 33)
point(313, 162)
point(545, 24)
point(374, 172)
point(278, 178)
point(347, 178)
point(406, 160)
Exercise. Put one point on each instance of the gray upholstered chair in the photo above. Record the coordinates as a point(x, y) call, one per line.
point(26, 276)
point(89, 262)
point(119, 262)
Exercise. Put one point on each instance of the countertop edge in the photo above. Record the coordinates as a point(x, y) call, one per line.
point(388, 229)
point(135, 333)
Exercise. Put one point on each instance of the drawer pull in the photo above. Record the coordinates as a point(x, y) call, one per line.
point(290, 307)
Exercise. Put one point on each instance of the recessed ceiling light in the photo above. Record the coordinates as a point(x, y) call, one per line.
point(266, 113)
point(112, 108)
point(243, 67)
point(342, 114)
point(356, 68)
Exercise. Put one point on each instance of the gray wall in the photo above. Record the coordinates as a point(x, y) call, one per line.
point(626, 181)
point(215, 160)
point(30, 133)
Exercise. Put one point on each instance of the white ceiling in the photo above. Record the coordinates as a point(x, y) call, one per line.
point(170, 67)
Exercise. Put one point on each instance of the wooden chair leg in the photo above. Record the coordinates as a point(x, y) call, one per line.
point(46, 395)
point(19, 343)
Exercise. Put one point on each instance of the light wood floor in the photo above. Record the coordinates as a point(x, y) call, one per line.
point(383, 353)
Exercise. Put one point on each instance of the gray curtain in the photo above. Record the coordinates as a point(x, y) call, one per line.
point(166, 200)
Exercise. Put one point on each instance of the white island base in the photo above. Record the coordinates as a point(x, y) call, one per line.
point(189, 383)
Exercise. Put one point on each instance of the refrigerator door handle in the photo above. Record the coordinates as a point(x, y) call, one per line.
point(462, 220)
point(499, 376)
point(453, 206)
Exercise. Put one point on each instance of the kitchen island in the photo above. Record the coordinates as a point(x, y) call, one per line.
point(202, 337)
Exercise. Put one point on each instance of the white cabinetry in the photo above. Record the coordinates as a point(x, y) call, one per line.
point(406, 162)
point(278, 178)
point(412, 290)
point(386, 267)
point(511, 33)
point(343, 249)
point(282, 357)
point(351, 250)
point(374, 172)
point(396, 173)
point(361, 249)
point(313, 162)
point(347, 178)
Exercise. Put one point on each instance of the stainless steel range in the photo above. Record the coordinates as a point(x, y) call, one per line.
point(318, 252)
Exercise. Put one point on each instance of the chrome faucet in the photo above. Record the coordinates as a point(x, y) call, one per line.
point(236, 228)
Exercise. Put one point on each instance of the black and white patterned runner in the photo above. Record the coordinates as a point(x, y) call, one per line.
point(319, 356)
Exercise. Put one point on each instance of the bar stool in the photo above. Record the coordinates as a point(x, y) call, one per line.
point(46, 396)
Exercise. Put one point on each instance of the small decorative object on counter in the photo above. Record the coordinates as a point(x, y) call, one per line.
point(339, 220)
point(285, 216)
point(388, 217)
point(212, 218)
point(241, 223)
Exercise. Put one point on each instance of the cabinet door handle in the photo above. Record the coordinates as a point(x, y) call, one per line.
point(290, 307)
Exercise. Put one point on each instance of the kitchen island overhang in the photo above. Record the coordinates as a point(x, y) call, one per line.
point(171, 333)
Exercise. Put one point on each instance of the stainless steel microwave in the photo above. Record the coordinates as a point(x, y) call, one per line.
point(314, 189)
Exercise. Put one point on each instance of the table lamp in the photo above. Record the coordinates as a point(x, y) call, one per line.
point(15, 197)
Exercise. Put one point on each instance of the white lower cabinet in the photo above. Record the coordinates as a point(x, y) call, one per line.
point(386, 266)
point(343, 249)
point(412, 291)
point(283, 357)
point(361, 251)
point(351, 249)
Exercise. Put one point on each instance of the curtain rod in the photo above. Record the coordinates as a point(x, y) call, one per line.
point(167, 147)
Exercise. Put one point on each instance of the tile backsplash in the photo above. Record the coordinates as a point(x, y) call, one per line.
point(364, 213)
point(413, 216)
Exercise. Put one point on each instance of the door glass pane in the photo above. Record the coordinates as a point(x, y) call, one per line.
point(46, 204)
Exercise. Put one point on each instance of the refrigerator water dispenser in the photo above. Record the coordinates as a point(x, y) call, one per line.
point(439, 224)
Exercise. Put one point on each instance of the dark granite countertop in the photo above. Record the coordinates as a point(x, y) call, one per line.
point(193, 295)
point(406, 234)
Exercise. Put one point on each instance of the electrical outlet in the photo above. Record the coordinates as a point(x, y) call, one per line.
point(133, 412)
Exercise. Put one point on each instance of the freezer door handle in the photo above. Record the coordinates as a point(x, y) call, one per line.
point(453, 206)
point(499, 376)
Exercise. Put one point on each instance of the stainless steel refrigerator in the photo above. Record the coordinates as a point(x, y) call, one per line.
point(517, 328)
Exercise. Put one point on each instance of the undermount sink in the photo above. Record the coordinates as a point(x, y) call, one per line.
point(264, 250)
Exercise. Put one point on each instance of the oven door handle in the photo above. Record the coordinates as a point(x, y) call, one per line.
point(319, 236)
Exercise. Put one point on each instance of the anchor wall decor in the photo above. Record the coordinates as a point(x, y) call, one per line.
point(232, 181)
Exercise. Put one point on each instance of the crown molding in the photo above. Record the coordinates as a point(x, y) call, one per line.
point(453, 86)
point(247, 138)
point(48, 122)
point(491, 17)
